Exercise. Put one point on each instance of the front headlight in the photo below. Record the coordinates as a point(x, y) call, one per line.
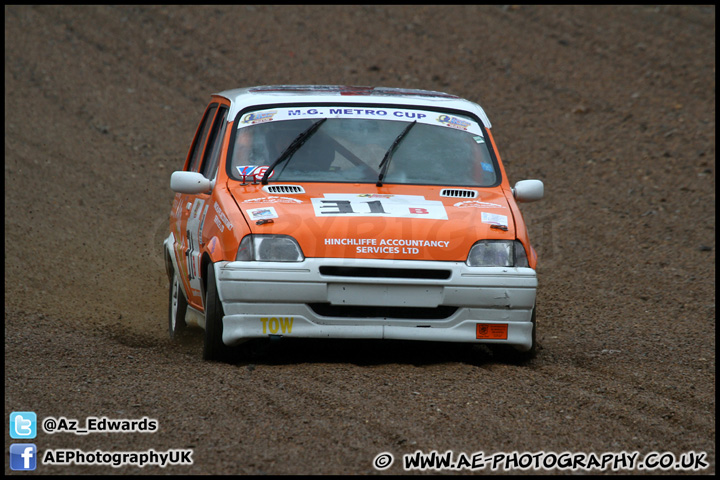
point(269, 248)
point(497, 253)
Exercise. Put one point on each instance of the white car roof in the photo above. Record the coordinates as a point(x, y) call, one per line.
point(241, 98)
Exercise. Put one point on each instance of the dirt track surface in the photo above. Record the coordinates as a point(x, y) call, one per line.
point(612, 107)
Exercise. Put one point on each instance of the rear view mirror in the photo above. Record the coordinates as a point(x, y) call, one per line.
point(190, 182)
point(529, 190)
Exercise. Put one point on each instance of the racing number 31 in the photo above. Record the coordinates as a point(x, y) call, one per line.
point(345, 207)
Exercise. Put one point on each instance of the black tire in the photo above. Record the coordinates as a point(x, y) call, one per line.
point(177, 307)
point(214, 349)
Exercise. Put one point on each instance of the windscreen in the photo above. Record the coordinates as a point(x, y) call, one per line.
point(357, 145)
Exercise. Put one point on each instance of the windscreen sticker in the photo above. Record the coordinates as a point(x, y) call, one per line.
point(453, 122)
point(402, 206)
point(244, 170)
point(261, 213)
point(258, 117)
point(253, 171)
point(494, 219)
point(399, 114)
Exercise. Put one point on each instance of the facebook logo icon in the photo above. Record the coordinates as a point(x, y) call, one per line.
point(23, 425)
point(23, 456)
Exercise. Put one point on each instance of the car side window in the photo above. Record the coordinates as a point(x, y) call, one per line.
point(212, 151)
point(199, 143)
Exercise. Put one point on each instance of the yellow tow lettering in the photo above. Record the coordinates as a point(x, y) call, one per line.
point(273, 325)
point(286, 324)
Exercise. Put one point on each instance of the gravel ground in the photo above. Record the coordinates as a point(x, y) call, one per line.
point(612, 107)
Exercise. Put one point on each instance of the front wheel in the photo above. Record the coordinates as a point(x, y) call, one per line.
point(214, 348)
point(177, 308)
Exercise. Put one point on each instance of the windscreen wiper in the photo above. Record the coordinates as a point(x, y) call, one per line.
point(292, 148)
point(386, 159)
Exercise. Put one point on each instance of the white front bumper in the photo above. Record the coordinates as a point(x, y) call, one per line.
point(267, 298)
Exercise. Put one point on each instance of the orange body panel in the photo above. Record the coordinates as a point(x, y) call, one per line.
point(325, 231)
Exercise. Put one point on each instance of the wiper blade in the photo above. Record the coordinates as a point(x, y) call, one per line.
point(386, 159)
point(292, 148)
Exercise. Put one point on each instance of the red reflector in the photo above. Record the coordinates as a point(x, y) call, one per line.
point(491, 331)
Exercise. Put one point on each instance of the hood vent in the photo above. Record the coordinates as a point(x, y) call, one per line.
point(285, 189)
point(458, 193)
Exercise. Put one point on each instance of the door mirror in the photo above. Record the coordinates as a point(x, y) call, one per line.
point(529, 190)
point(190, 182)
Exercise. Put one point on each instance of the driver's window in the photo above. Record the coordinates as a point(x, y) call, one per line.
point(212, 151)
point(199, 143)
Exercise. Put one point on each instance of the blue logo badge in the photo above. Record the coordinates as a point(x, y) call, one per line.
point(23, 456)
point(23, 425)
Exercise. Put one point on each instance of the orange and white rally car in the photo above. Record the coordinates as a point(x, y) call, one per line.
point(349, 212)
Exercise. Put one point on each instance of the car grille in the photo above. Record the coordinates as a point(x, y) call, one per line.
point(422, 273)
point(357, 311)
point(458, 193)
point(284, 189)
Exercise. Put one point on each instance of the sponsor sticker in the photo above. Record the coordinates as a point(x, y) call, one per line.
point(494, 219)
point(388, 113)
point(388, 245)
point(253, 171)
point(477, 204)
point(221, 215)
point(259, 117)
point(272, 200)
point(454, 122)
point(245, 170)
point(261, 213)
